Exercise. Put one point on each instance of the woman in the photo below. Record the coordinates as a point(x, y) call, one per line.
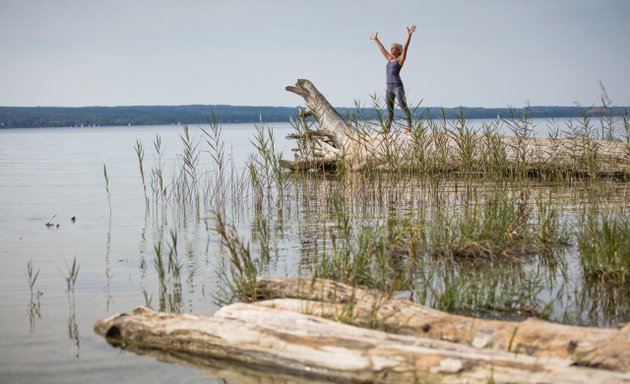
point(395, 89)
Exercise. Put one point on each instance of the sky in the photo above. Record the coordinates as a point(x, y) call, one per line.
point(473, 53)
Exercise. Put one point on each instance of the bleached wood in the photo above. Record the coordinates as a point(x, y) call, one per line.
point(587, 346)
point(274, 340)
point(358, 150)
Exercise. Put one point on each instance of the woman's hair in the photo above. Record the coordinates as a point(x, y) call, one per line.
point(399, 46)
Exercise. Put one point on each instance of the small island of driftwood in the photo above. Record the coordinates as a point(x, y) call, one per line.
point(337, 142)
point(305, 330)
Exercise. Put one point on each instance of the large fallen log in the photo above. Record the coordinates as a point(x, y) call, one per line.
point(607, 348)
point(293, 344)
point(336, 141)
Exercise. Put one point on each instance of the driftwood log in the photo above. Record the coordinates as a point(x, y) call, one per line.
point(336, 141)
point(271, 341)
point(607, 348)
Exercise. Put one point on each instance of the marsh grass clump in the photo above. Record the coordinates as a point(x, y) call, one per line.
point(169, 268)
point(456, 219)
point(604, 245)
point(186, 186)
point(240, 283)
point(490, 289)
point(467, 140)
point(362, 255)
point(266, 162)
point(501, 226)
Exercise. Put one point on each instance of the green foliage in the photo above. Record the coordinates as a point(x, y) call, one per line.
point(243, 270)
point(604, 244)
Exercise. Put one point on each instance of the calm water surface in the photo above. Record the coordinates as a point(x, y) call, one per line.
point(54, 174)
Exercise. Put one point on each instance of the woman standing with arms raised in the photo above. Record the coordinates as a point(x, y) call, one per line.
point(395, 88)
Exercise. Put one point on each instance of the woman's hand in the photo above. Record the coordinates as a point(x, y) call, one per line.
point(374, 36)
point(411, 29)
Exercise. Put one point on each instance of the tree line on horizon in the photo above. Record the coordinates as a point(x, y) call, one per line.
point(32, 117)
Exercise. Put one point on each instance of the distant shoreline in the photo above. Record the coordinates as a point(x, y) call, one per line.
point(37, 117)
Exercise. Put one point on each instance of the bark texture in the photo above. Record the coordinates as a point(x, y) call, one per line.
point(293, 344)
point(607, 348)
point(310, 334)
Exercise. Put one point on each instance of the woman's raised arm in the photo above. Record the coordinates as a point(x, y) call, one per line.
point(374, 36)
point(403, 55)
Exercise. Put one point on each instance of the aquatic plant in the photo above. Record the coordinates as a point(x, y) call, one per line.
point(604, 245)
point(31, 276)
point(241, 282)
point(139, 149)
point(168, 270)
point(34, 304)
point(72, 274)
point(467, 142)
point(109, 199)
point(497, 227)
point(451, 226)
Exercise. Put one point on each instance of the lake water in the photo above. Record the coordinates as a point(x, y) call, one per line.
point(58, 173)
point(50, 175)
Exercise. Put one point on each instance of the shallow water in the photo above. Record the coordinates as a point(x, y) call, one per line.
point(54, 174)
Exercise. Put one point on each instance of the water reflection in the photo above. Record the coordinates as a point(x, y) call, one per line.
point(33, 310)
point(108, 266)
point(228, 371)
point(387, 231)
point(34, 305)
point(73, 327)
point(403, 210)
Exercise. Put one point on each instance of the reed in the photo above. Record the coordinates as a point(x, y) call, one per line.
point(261, 230)
point(215, 192)
point(490, 289)
point(494, 152)
point(467, 140)
point(604, 245)
point(168, 269)
point(139, 149)
point(71, 276)
point(31, 276)
point(498, 227)
point(34, 304)
point(158, 185)
point(241, 282)
point(109, 199)
point(606, 119)
point(268, 161)
point(477, 237)
point(584, 149)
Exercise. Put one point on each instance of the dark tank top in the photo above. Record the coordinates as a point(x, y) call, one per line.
point(393, 72)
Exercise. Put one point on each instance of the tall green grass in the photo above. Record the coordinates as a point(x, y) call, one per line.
point(465, 230)
point(604, 245)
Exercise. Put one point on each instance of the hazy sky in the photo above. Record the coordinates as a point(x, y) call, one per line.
point(490, 53)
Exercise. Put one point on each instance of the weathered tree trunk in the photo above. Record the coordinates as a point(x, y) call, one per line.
point(274, 340)
point(337, 142)
point(595, 347)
